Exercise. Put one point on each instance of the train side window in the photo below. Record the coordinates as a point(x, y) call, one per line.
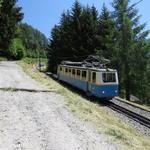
point(94, 77)
point(60, 69)
point(73, 72)
point(63, 70)
point(66, 70)
point(84, 75)
point(69, 71)
point(104, 77)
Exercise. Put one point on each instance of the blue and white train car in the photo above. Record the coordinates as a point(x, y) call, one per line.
point(102, 83)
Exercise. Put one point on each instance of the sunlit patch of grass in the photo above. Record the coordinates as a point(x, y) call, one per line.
point(35, 60)
point(117, 134)
point(105, 123)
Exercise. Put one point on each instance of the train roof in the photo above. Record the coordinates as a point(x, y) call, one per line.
point(89, 68)
point(92, 62)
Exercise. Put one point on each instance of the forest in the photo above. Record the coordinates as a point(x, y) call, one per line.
point(17, 39)
point(115, 35)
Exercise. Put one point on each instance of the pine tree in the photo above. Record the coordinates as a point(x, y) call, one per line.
point(147, 80)
point(0, 3)
point(89, 30)
point(75, 36)
point(53, 49)
point(76, 14)
point(130, 37)
point(66, 41)
point(140, 69)
point(106, 35)
point(10, 15)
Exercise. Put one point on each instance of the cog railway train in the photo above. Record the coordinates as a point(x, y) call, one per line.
point(96, 81)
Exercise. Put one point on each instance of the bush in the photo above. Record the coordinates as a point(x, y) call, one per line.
point(16, 49)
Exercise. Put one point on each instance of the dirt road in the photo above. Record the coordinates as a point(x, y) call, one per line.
point(39, 120)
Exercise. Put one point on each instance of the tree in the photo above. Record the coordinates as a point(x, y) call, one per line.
point(118, 37)
point(147, 81)
point(130, 36)
point(106, 35)
point(33, 40)
point(89, 30)
point(140, 72)
point(75, 36)
point(53, 49)
point(10, 16)
point(0, 3)
point(16, 49)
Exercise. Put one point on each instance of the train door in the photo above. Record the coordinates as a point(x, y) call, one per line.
point(89, 83)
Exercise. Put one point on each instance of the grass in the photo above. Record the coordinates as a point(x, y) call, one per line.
point(143, 106)
point(105, 123)
point(3, 58)
point(35, 60)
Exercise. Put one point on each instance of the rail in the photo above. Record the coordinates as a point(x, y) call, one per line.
point(131, 114)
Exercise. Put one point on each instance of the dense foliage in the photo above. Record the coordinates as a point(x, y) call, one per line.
point(75, 36)
point(10, 16)
point(0, 3)
point(118, 37)
point(28, 42)
point(18, 40)
point(33, 41)
point(16, 49)
point(132, 48)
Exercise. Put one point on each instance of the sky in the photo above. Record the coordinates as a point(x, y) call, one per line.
point(44, 14)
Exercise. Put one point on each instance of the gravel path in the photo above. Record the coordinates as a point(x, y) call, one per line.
point(39, 120)
point(12, 76)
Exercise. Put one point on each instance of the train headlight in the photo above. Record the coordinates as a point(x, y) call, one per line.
point(103, 92)
point(116, 91)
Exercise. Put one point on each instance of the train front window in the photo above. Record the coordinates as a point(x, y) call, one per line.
point(109, 77)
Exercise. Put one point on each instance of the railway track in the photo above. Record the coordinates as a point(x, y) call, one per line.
point(135, 106)
point(145, 121)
